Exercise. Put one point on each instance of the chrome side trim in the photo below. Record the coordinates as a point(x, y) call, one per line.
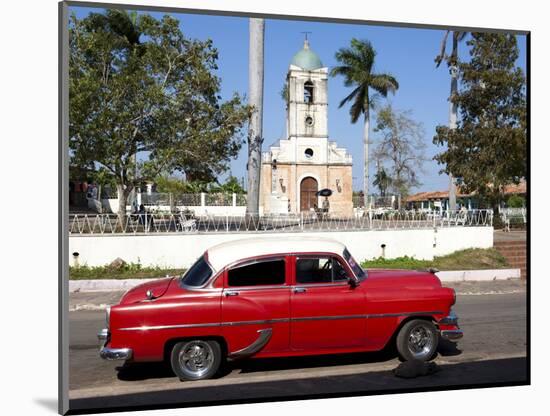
point(255, 347)
point(115, 353)
point(258, 322)
point(147, 328)
point(452, 334)
point(213, 324)
point(328, 318)
point(393, 315)
point(279, 320)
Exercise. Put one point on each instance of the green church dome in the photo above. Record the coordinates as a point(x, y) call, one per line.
point(307, 59)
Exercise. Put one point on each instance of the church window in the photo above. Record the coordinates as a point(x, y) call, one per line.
point(309, 121)
point(309, 153)
point(308, 92)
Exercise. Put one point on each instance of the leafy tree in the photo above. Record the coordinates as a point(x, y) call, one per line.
point(452, 62)
point(137, 85)
point(400, 145)
point(382, 181)
point(488, 147)
point(231, 186)
point(515, 201)
point(170, 184)
point(285, 93)
point(357, 68)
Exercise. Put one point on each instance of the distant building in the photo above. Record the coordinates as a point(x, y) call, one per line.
point(295, 168)
point(440, 199)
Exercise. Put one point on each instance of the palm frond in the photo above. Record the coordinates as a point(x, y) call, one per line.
point(359, 105)
point(347, 72)
point(349, 97)
point(439, 58)
point(383, 84)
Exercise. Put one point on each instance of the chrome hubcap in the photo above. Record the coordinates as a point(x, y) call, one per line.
point(420, 342)
point(196, 358)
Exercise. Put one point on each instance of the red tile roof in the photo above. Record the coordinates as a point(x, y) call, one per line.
point(520, 188)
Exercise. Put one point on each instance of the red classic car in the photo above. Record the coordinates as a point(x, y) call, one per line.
point(277, 297)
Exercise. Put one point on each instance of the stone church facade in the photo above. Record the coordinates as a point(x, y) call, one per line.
point(306, 161)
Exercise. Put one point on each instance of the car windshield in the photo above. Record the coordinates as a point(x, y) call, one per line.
point(359, 272)
point(198, 274)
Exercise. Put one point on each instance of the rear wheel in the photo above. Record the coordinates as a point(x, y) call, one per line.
point(196, 359)
point(417, 340)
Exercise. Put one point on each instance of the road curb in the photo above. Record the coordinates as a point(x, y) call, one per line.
point(103, 285)
point(478, 275)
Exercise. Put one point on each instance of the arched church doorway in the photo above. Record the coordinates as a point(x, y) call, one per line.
point(308, 199)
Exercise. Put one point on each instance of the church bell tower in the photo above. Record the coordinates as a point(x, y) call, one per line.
point(304, 162)
point(307, 95)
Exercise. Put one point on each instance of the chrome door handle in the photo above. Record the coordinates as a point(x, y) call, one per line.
point(300, 290)
point(231, 293)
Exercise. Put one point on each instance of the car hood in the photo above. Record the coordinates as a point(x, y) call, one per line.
point(139, 293)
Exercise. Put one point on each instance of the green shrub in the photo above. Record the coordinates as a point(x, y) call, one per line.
point(516, 201)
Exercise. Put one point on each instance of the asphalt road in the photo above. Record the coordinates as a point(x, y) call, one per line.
point(492, 351)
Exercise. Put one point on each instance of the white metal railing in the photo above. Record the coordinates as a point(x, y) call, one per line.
point(513, 216)
point(180, 223)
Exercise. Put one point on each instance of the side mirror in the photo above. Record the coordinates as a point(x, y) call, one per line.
point(352, 282)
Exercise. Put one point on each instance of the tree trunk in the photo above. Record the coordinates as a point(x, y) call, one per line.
point(452, 120)
point(256, 97)
point(366, 158)
point(122, 198)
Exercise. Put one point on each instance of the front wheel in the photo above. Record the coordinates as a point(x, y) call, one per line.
point(196, 359)
point(417, 340)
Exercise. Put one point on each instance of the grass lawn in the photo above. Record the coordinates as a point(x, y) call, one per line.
point(470, 259)
point(128, 271)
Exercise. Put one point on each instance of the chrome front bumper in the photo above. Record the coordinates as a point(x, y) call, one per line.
point(115, 353)
point(452, 334)
point(111, 353)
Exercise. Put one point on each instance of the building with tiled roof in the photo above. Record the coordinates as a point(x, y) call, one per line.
point(429, 200)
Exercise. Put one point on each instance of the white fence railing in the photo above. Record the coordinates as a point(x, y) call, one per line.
point(150, 223)
point(512, 217)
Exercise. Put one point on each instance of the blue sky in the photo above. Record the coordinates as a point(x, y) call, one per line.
point(408, 54)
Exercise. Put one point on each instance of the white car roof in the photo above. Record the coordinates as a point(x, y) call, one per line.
point(229, 252)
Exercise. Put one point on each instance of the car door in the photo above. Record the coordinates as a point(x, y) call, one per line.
point(255, 304)
point(326, 311)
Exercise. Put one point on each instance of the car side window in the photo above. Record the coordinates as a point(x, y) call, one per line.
point(319, 270)
point(258, 273)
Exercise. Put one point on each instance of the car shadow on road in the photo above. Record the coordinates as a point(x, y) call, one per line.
point(304, 362)
point(448, 348)
point(145, 371)
point(500, 372)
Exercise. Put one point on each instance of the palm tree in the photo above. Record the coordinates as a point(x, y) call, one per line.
point(452, 63)
point(256, 97)
point(357, 65)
